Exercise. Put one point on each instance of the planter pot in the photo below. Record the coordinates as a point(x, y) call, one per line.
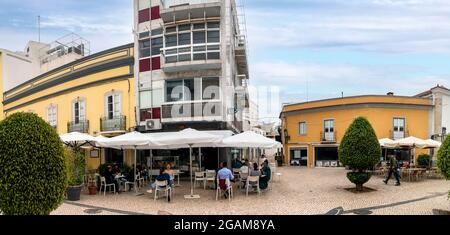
point(74, 192)
point(92, 190)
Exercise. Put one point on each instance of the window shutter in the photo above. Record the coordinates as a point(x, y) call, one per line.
point(82, 111)
point(117, 105)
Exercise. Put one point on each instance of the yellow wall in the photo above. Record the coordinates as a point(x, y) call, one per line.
point(380, 118)
point(93, 94)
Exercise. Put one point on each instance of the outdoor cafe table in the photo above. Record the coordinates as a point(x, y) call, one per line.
point(410, 172)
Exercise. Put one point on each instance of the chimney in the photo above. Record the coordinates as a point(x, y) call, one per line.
point(390, 93)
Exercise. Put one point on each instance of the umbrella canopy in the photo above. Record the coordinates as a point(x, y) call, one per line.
point(76, 139)
point(186, 138)
point(386, 142)
point(126, 141)
point(432, 143)
point(250, 139)
point(409, 142)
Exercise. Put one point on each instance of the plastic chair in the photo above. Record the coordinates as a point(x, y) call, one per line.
point(200, 176)
point(210, 176)
point(252, 181)
point(163, 186)
point(104, 185)
point(229, 189)
point(242, 179)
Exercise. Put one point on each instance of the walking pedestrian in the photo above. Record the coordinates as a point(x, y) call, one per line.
point(393, 169)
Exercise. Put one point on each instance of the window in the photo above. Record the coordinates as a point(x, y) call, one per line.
point(157, 44)
point(185, 27)
point(174, 91)
point(78, 111)
point(302, 128)
point(213, 36)
point(329, 126)
point(171, 41)
point(399, 124)
point(184, 39)
point(210, 88)
point(52, 115)
point(113, 105)
point(144, 47)
point(199, 37)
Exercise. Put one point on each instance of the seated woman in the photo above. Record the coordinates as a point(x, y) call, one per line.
point(163, 176)
point(255, 171)
point(169, 171)
point(265, 177)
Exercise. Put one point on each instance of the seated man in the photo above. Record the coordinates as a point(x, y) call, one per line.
point(109, 177)
point(224, 174)
point(163, 176)
point(265, 177)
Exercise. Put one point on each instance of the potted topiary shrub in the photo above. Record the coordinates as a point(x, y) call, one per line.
point(75, 173)
point(423, 160)
point(33, 175)
point(443, 159)
point(359, 151)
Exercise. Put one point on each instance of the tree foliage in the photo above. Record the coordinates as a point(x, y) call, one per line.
point(33, 173)
point(443, 158)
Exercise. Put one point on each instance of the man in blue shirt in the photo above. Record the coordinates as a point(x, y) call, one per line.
point(223, 175)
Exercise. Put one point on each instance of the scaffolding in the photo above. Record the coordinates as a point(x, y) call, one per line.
point(68, 44)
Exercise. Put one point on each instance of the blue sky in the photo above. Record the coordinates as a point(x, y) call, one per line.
point(310, 49)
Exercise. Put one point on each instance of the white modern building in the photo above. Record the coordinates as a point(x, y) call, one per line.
point(191, 65)
point(440, 115)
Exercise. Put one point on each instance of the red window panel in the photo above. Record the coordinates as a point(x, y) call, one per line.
point(144, 15)
point(145, 114)
point(156, 113)
point(155, 13)
point(144, 65)
point(156, 63)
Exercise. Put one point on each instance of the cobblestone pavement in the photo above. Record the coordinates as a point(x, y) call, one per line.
point(300, 191)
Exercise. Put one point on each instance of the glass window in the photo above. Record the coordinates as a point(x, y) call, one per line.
point(188, 89)
point(157, 31)
point(144, 34)
point(199, 26)
point(110, 106)
point(185, 27)
point(52, 116)
point(171, 41)
point(77, 112)
point(199, 37)
point(184, 39)
point(210, 88)
point(213, 36)
point(174, 91)
point(213, 25)
point(146, 98)
point(302, 128)
point(171, 29)
point(214, 56)
point(144, 48)
point(157, 44)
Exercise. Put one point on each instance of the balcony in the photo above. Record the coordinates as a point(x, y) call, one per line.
point(184, 10)
point(328, 137)
point(192, 111)
point(396, 135)
point(116, 124)
point(81, 126)
point(191, 58)
point(241, 55)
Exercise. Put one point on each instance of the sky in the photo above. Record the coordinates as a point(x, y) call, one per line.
point(302, 50)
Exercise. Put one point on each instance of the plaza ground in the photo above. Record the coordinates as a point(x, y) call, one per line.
point(300, 191)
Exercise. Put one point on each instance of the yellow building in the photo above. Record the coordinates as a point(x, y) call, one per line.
point(94, 94)
point(313, 130)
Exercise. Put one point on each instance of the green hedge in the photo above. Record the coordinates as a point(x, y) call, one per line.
point(33, 173)
point(76, 166)
point(423, 160)
point(359, 150)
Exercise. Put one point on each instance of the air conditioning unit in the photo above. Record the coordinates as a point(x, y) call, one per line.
point(153, 124)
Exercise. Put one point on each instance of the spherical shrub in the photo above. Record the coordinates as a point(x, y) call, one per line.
point(443, 158)
point(423, 160)
point(33, 174)
point(359, 148)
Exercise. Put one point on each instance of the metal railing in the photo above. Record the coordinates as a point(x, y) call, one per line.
point(191, 109)
point(193, 52)
point(81, 126)
point(395, 135)
point(328, 136)
point(113, 124)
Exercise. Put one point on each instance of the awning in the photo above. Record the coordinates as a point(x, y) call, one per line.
point(250, 139)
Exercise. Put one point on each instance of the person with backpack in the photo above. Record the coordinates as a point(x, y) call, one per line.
point(393, 169)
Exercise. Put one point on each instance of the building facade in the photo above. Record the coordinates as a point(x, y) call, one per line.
point(94, 94)
point(440, 117)
point(312, 131)
point(192, 66)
